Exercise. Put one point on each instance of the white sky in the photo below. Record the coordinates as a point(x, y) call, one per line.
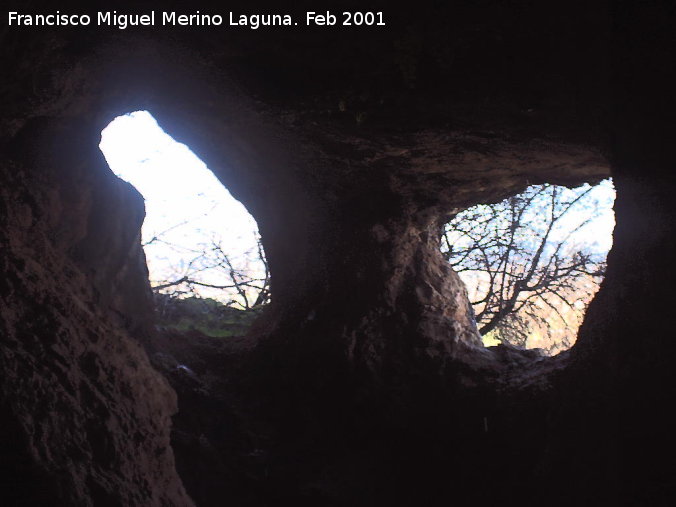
point(177, 187)
point(597, 234)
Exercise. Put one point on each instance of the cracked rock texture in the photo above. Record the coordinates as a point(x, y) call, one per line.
point(86, 420)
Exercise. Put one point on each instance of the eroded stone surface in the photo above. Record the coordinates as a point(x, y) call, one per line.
point(87, 416)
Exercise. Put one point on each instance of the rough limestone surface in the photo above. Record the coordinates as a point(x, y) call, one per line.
point(86, 415)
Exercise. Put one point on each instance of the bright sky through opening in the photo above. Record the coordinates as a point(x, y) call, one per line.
point(586, 226)
point(599, 232)
point(186, 206)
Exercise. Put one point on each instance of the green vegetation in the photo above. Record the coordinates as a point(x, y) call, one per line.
point(205, 315)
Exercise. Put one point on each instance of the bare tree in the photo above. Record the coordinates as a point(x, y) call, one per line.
point(526, 272)
point(242, 282)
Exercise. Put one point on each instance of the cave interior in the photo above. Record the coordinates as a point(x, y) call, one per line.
point(364, 382)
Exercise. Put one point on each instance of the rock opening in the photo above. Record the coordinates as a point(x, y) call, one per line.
point(205, 258)
point(533, 262)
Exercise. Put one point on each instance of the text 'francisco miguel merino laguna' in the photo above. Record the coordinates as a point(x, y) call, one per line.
point(253, 21)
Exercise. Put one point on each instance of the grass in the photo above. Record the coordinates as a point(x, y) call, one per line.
point(208, 316)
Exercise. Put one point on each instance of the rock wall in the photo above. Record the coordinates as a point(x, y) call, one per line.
point(85, 418)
